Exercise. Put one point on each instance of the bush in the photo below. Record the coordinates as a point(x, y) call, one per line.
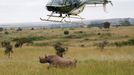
point(37, 38)
point(82, 45)
point(32, 38)
point(129, 42)
point(106, 25)
point(98, 33)
point(18, 39)
point(32, 28)
point(79, 35)
point(5, 43)
point(73, 36)
point(60, 49)
point(1, 29)
point(6, 32)
point(86, 39)
point(41, 44)
point(66, 32)
point(19, 29)
point(79, 32)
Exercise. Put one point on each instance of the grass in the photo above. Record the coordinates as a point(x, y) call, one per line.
point(85, 68)
point(91, 60)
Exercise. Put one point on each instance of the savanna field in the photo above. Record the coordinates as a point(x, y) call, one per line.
point(81, 43)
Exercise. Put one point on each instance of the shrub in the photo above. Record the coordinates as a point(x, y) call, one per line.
point(5, 43)
point(41, 44)
point(86, 39)
point(6, 32)
point(32, 28)
point(32, 38)
point(82, 45)
point(72, 36)
point(36, 38)
point(66, 32)
point(98, 33)
point(1, 29)
point(19, 29)
point(106, 25)
point(129, 42)
point(79, 32)
point(118, 44)
point(60, 50)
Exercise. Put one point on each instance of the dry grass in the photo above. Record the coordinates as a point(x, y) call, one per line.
point(91, 61)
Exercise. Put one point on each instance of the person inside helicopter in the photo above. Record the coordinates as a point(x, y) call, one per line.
point(64, 2)
point(56, 4)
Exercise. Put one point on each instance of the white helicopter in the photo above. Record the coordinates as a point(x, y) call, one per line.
point(68, 8)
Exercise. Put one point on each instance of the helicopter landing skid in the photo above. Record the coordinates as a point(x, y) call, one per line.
point(62, 18)
point(49, 20)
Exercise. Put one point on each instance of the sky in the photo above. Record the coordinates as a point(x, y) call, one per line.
point(12, 11)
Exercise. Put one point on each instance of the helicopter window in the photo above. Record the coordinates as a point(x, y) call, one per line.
point(60, 2)
point(73, 1)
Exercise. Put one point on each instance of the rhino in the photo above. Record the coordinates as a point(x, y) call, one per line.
point(57, 61)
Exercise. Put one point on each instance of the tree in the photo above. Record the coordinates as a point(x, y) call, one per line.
point(32, 28)
point(6, 32)
point(8, 47)
point(125, 22)
point(60, 50)
point(1, 29)
point(106, 25)
point(66, 32)
point(19, 29)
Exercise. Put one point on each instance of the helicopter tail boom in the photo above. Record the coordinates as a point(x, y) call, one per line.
point(104, 2)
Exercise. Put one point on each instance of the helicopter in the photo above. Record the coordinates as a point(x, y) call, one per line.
point(68, 8)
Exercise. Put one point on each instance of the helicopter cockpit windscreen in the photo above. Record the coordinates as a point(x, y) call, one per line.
point(63, 2)
point(56, 2)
